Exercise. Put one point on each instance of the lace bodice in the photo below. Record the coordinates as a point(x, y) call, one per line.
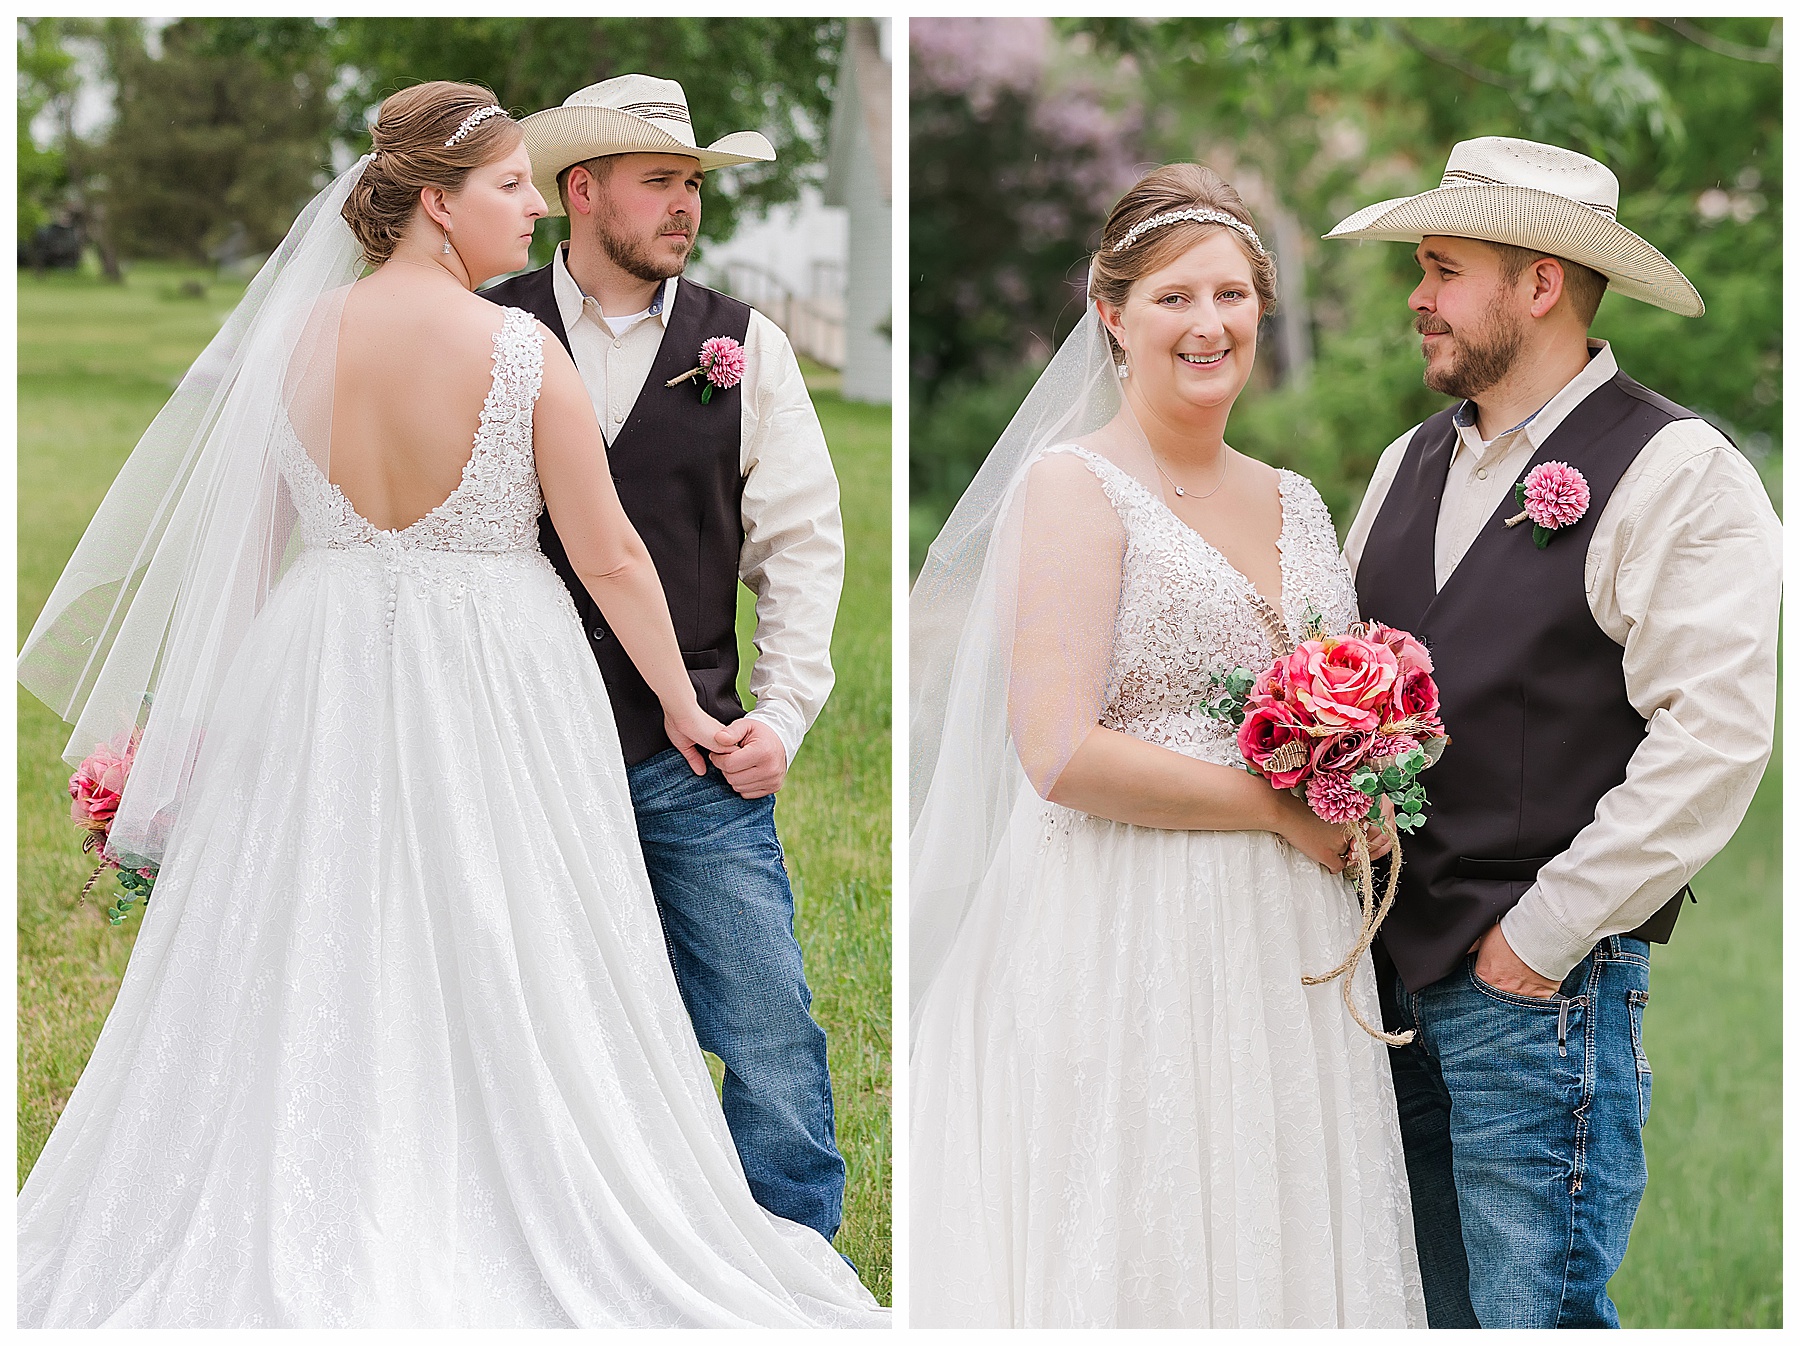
point(494, 508)
point(1186, 614)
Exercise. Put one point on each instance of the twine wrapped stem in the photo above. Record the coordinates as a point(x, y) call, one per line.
point(94, 841)
point(1374, 912)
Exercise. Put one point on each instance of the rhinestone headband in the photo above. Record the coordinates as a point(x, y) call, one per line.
point(473, 120)
point(1199, 216)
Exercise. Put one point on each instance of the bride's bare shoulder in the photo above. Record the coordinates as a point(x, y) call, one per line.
point(422, 319)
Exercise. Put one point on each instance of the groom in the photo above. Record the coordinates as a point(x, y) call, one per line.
point(738, 487)
point(1609, 687)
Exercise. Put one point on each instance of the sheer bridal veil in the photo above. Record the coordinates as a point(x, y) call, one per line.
point(140, 632)
point(1012, 622)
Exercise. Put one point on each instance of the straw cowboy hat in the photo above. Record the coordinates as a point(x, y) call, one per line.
point(1534, 196)
point(632, 114)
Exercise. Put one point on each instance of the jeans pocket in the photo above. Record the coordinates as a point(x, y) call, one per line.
point(1636, 1000)
point(1549, 1002)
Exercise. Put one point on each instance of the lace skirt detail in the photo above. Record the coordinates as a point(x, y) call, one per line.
point(399, 1043)
point(1128, 1111)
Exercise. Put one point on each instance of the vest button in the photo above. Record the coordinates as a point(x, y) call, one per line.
point(599, 633)
point(1481, 474)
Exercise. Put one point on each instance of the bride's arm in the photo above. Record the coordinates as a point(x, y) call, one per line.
point(606, 552)
point(1116, 776)
point(1070, 555)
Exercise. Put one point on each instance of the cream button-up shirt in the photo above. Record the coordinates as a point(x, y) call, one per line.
point(793, 553)
point(1683, 571)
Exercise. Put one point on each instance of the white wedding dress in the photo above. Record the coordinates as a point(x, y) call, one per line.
point(399, 1044)
point(1127, 1111)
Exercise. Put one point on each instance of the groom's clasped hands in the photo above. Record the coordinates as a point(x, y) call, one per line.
point(754, 762)
point(747, 752)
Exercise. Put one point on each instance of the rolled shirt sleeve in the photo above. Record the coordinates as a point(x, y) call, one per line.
point(1684, 571)
point(793, 552)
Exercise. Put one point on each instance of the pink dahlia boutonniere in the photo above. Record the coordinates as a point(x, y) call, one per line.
point(721, 366)
point(1552, 495)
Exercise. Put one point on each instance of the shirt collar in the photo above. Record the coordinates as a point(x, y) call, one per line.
point(571, 302)
point(1542, 423)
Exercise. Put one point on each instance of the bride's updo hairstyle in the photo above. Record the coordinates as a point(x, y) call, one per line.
point(1173, 187)
point(410, 155)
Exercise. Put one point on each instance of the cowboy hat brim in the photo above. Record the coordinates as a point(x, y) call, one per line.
point(560, 136)
point(1529, 218)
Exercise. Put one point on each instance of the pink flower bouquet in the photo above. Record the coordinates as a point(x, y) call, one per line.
point(1341, 721)
point(94, 792)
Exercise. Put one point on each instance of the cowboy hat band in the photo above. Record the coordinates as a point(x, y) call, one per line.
point(1534, 196)
point(630, 114)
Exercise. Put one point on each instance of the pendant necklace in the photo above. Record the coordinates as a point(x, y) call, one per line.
point(1223, 464)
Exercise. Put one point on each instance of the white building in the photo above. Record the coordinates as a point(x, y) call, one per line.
point(859, 177)
point(820, 267)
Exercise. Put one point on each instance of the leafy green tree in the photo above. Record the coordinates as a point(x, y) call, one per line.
point(46, 81)
point(771, 75)
point(1334, 114)
point(1315, 118)
point(219, 139)
point(1019, 148)
point(223, 127)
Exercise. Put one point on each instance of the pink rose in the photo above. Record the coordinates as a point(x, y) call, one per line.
point(1408, 652)
point(1342, 752)
point(1289, 672)
point(1271, 686)
point(98, 782)
point(1343, 682)
point(1416, 695)
point(1268, 727)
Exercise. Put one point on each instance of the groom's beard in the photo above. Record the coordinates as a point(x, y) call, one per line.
point(646, 258)
point(1479, 359)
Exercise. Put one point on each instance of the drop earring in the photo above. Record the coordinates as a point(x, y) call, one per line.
point(1123, 368)
point(446, 242)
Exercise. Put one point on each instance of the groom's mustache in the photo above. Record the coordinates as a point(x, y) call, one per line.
point(1426, 325)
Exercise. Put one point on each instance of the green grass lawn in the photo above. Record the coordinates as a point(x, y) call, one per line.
point(1706, 1249)
point(96, 362)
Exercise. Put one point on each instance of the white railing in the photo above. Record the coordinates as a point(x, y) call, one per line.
point(814, 326)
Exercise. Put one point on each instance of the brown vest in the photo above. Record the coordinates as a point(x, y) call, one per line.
point(676, 464)
point(1532, 690)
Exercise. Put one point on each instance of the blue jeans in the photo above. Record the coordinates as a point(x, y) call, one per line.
point(728, 916)
point(1523, 1126)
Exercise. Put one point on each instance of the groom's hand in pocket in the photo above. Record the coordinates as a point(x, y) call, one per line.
point(1501, 968)
point(757, 764)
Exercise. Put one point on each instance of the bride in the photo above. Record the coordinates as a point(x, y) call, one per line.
point(1127, 1111)
point(399, 1043)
